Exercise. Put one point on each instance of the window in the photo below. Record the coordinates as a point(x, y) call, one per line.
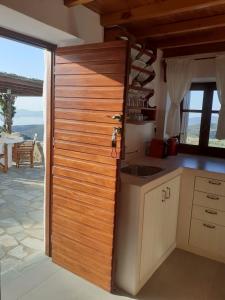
point(199, 114)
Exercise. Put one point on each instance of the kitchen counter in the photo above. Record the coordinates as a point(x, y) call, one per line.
point(173, 165)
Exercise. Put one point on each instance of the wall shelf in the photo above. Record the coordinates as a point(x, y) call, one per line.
point(142, 70)
point(144, 51)
point(139, 88)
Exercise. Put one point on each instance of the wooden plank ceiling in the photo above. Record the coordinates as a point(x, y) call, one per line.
point(177, 27)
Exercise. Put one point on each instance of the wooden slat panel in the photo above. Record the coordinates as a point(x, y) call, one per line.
point(83, 219)
point(89, 91)
point(84, 176)
point(85, 138)
point(89, 241)
point(80, 253)
point(83, 209)
point(90, 68)
point(97, 267)
point(85, 187)
point(94, 92)
point(84, 148)
point(88, 116)
point(75, 230)
point(85, 156)
point(92, 167)
point(90, 80)
point(84, 198)
point(77, 267)
point(79, 249)
point(86, 103)
point(70, 125)
point(92, 56)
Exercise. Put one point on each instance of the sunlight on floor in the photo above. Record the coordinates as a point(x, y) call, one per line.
point(21, 217)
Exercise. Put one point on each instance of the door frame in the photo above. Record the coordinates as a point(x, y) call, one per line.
point(18, 37)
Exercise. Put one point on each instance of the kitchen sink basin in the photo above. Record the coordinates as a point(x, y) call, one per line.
point(141, 170)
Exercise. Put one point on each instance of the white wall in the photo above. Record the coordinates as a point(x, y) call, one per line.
point(78, 22)
point(136, 137)
point(86, 24)
point(204, 70)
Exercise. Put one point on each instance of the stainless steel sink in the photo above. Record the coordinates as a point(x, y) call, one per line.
point(141, 170)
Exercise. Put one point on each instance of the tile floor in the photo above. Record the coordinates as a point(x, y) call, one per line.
point(183, 276)
point(21, 216)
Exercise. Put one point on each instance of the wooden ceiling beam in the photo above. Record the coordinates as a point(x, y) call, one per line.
point(204, 37)
point(192, 50)
point(156, 10)
point(70, 3)
point(193, 25)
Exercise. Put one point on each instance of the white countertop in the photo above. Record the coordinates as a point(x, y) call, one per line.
point(174, 164)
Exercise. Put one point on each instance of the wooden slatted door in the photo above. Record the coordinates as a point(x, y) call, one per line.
point(89, 90)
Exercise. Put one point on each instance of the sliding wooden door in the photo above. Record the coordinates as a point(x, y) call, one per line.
point(89, 92)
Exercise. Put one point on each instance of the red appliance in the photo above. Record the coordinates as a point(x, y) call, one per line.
point(172, 146)
point(157, 148)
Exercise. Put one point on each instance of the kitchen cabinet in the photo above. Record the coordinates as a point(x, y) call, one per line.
point(208, 237)
point(201, 225)
point(207, 231)
point(146, 231)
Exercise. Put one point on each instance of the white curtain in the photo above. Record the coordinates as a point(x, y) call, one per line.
point(220, 82)
point(179, 75)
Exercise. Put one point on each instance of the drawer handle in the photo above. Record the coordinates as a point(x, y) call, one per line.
point(209, 226)
point(215, 182)
point(163, 195)
point(167, 192)
point(211, 212)
point(212, 197)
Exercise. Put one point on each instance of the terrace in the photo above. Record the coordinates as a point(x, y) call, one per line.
point(21, 190)
point(21, 216)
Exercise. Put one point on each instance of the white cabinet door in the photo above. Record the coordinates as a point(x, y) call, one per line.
point(171, 212)
point(152, 242)
point(159, 225)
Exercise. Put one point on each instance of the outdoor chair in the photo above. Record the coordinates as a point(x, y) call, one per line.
point(4, 155)
point(24, 152)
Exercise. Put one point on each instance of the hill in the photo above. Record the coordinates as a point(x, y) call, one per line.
point(23, 113)
point(28, 131)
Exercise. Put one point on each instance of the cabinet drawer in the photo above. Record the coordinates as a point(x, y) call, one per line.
point(209, 215)
point(209, 185)
point(209, 200)
point(208, 237)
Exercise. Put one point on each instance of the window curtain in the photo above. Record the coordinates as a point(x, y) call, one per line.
point(220, 82)
point(184, 125)
point(179, 75)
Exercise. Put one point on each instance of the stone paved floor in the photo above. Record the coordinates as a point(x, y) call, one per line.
point(21, 216)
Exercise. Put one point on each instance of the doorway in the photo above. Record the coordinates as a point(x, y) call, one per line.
point(23, 110)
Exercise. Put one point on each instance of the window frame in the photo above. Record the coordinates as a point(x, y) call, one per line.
point(208, 89)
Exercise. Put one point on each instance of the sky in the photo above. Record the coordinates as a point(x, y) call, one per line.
point(196, 101)
point(24, 60)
